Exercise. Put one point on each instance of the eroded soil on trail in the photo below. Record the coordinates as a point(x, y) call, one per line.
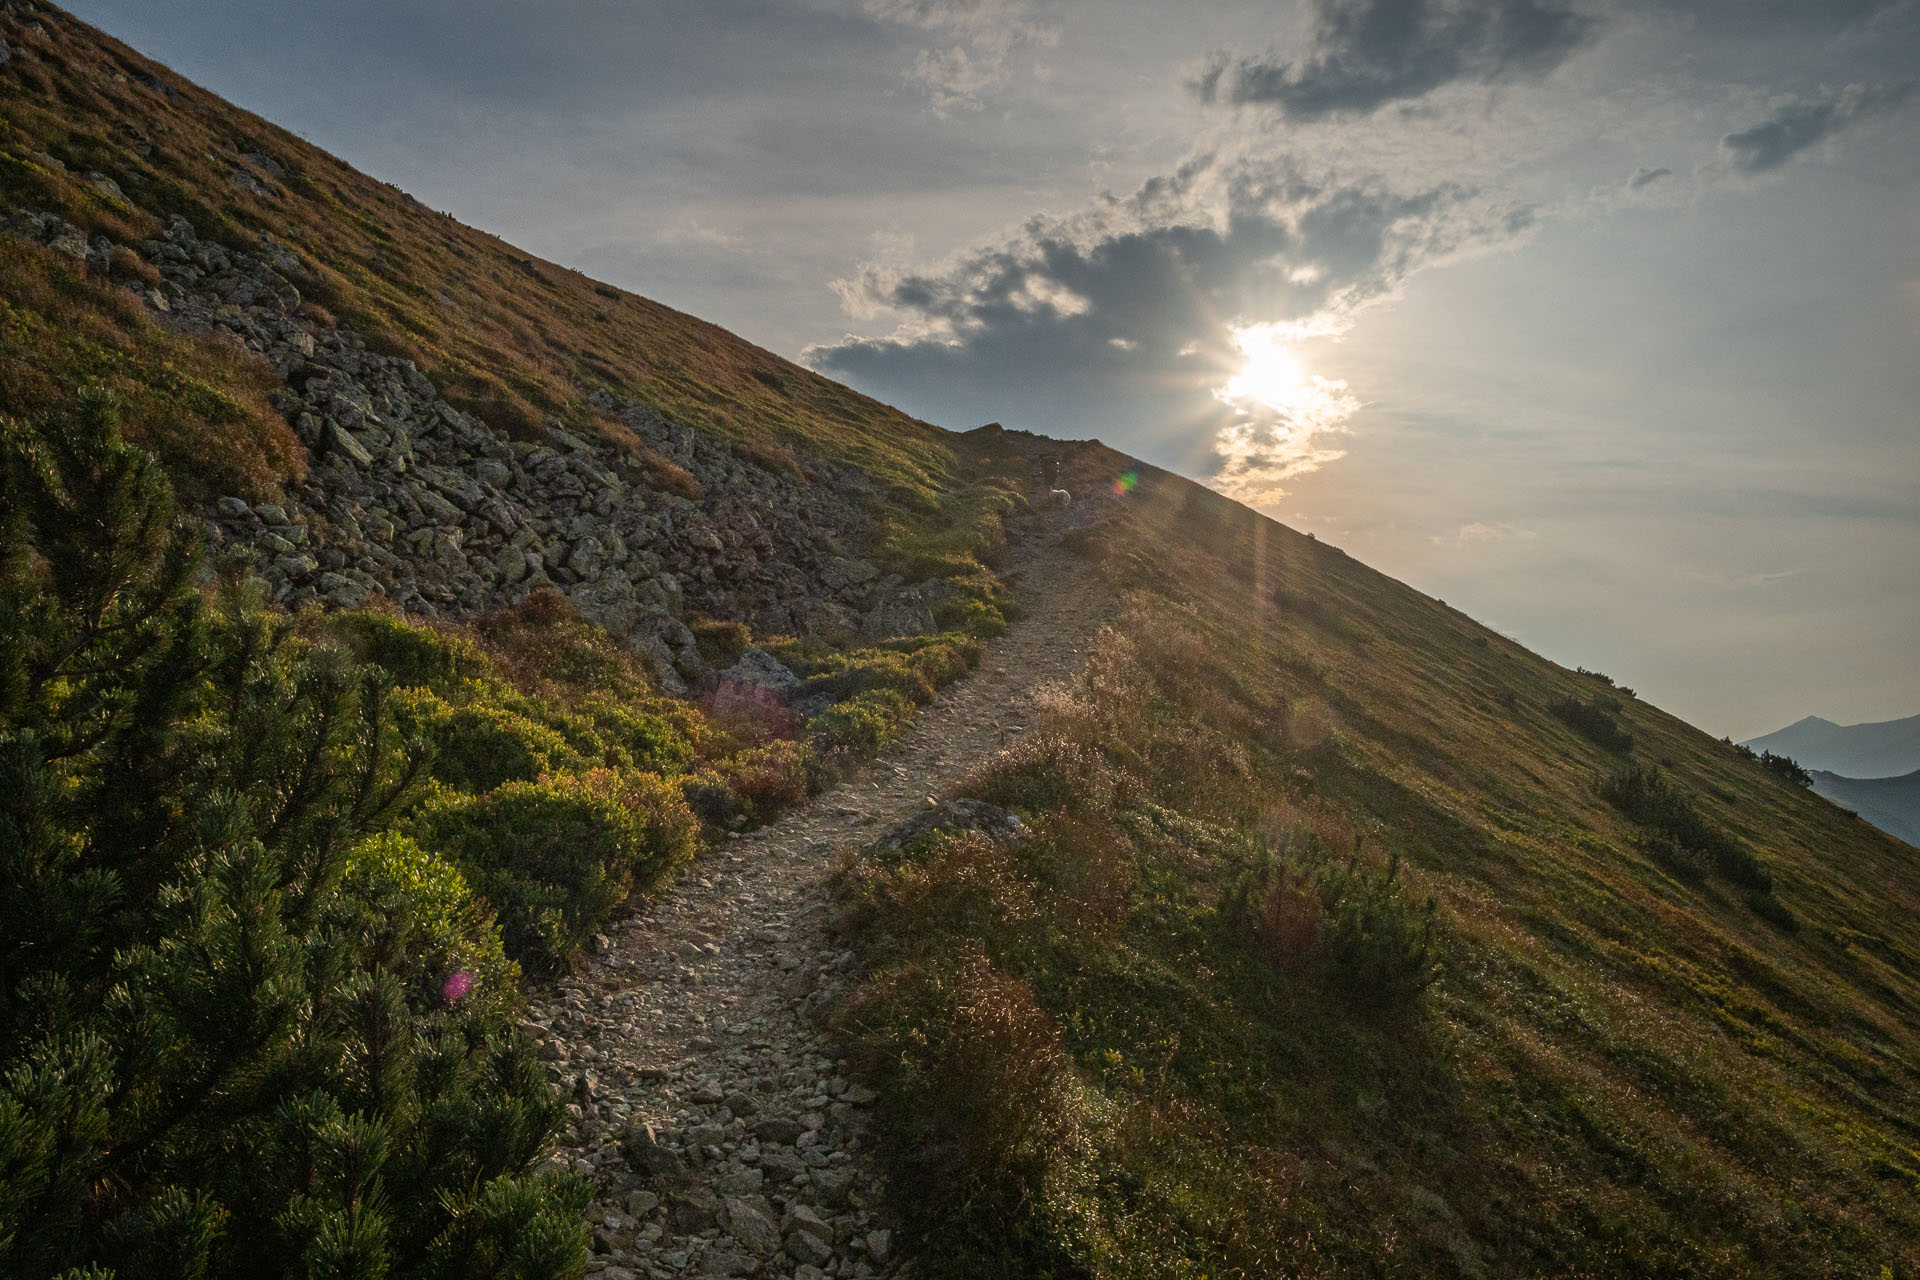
point(723, 1137)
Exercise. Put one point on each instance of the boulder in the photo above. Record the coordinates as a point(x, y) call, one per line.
point(954, 815)
point(761, 670)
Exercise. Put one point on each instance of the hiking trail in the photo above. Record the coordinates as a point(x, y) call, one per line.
point(722, 1135)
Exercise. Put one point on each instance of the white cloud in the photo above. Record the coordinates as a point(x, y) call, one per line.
point(1481, 531)
point(986, 33)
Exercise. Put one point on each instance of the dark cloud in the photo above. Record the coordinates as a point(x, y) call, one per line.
point(1799, 124)
point(1368, 53)
point(1121, 314)
point(1644, 177)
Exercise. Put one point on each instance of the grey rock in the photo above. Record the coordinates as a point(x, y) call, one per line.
point(728, 1262)
point(781, 1166)
point(751, 1224)
point(779, 1129)
point(951, 815)
point(647, 1155)
point(805, 1248)
point(694, 1210)
point(761, 670)
point(807, 1219)
point(234, 508)
point(348, 445)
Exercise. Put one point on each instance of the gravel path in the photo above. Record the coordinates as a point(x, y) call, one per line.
point(723, 1137)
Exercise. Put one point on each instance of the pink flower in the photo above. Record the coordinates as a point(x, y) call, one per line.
point(459, 982)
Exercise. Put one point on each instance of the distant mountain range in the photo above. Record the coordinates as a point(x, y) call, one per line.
point(1891, 804)
point(1854, 751)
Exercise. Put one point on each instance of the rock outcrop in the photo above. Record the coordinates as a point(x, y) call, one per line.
point(412, 498)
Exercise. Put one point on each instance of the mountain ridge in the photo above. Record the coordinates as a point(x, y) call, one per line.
point(1891, 804)
point(1877, 749)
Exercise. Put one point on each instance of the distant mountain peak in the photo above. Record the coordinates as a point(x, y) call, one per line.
point(1880, 749)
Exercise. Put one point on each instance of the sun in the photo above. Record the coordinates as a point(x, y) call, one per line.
point(1270, 376)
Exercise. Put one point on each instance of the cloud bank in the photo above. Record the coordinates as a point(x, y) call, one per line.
point(1802, 122)
point(1368, 53)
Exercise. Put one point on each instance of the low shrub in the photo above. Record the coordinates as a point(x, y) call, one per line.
point(478, 746)
point(712, 799)
point(554, 857)
point(543, 643)
point(410, 651)
point(1593, 720)
point(431, 931)
point(981, 1097)
point(721, 641)
point(1047, 770)
point(1677, 832)
point(861, 725)
point(768, 778)
point(1769, 908)
point(1343, 921)
point(644, 740)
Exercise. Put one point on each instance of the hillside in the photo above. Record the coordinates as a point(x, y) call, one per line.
point(448, 627)
point(1882, 750)
point(1660, 1020)
point(1891, 804)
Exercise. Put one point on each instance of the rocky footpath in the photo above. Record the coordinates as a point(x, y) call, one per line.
point(411, 498)
point(722, 1134)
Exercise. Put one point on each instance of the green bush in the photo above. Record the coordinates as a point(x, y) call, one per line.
point(216, 1061)
point(721, 642)
point(437, 937)
point(1341, 920)
point(1593, 720)
point(768, 778)
point(975, 617)
point(410, 651)
point(1679, 833)
point(555, 857)
point(863, 724)
point(631, 738)
point(712, 799)
point(478, 746)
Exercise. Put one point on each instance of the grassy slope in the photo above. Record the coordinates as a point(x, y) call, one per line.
point(1620, 1071)
point(510, 336)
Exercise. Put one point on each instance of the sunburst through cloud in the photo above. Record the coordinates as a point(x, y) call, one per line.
point(1280, 414)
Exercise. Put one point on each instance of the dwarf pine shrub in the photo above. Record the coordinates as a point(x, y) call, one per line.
point(1677, 832)
point(1593, 720)
point(235, 1042)
point(1339, 920)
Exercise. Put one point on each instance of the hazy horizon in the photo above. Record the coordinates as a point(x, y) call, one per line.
point(1596, 320)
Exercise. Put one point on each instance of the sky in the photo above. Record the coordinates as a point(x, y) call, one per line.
point(1598, 319)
